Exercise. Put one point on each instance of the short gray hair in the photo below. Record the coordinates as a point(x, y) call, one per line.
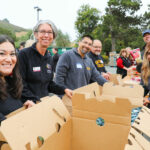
point(35, 29)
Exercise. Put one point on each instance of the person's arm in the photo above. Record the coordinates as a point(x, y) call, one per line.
point(96, 76)
point(26, 93)
point(58, 89)
point(120, 64)
point(62, 69)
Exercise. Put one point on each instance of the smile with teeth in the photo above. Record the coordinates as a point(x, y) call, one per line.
point(6, 65)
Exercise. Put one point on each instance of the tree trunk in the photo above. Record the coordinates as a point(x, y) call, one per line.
point(113, 43)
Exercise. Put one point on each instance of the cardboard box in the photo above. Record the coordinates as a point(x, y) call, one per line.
point(23, 130)
point(139, 136)
point(48, 125)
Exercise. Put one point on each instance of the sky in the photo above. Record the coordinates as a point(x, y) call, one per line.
point(62, 12)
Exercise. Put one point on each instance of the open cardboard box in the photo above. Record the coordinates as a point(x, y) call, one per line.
point(49, 126)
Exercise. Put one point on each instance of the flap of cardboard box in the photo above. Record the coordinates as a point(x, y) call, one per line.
point(39, 121)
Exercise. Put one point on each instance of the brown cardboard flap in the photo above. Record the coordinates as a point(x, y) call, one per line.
point(133, 144)
point(42, 119)
point(142, 122)
point(120, 91)
point(133, 93)
point(143, 142)
point(87, 135)
point(120, 107)
point(116, 79)
point(15, 112)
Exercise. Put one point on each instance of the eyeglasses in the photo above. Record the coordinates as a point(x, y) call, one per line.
point(43, 32)
point(97, 47)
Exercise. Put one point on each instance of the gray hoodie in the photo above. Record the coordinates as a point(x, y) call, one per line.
point(73, 71)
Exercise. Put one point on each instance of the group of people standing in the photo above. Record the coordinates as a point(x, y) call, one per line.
point(28, 76)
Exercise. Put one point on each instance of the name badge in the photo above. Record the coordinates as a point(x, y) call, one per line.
point(36, 69)
point(78, 65)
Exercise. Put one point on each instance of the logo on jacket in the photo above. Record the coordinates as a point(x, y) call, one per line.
point(99, 63)
point(49, 68)
point(88, 68)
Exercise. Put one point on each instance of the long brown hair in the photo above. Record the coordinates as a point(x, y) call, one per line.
point(13, 83)
point(123, 50)
point(146, 65)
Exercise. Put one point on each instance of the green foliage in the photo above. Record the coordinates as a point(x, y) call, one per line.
point(23, 38)
point(146, 19)
point(105, 58)
point(7, 32)
point(62, 40)
point(120, 27)
point(87, 20)
point(119, 18)
point(5, 24)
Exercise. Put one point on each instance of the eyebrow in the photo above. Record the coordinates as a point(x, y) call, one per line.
point(6, 50)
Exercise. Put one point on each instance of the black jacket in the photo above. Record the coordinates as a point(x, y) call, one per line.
point(37, 74)
point(98, 62)
point(127, 64)
point(7, 106)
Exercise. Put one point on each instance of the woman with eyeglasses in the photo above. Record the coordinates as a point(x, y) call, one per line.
point(36, 65)
point(10, 79)
point(145, 74)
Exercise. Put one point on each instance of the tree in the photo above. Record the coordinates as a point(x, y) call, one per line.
point(62, 40)
point(87, 20)
point(119, 17)
point(23, 38)
point(146, 19)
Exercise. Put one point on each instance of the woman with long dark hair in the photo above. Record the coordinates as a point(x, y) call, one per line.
point(10, 79)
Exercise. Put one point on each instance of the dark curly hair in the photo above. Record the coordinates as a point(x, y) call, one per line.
point(12, 84)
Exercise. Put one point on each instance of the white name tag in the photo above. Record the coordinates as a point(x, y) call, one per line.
point(36, 69)
point(78, 65)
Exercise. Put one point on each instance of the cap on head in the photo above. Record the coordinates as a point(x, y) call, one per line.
point(35, 29)
point(146, 31)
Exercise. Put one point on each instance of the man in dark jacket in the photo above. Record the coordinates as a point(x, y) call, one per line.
point(75, 69)
point(95, 55)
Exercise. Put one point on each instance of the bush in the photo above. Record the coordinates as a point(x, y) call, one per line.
point(106, 59)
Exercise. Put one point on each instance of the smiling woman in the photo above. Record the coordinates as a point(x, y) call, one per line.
point(10, 79)
point(36, 65)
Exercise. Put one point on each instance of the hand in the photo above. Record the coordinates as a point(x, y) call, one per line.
point(69, 93)
point(106, 75)
point(28, 104)
point(145, 101)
